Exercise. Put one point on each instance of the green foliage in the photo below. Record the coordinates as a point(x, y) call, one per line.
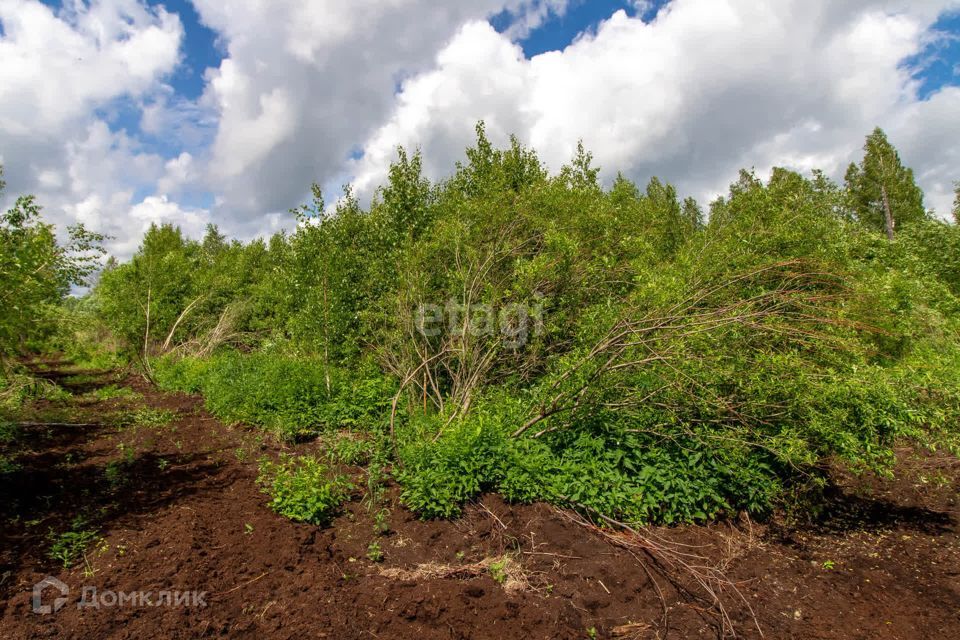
point(36, 271)
point(302, 489)
point(69, 546)
point(881, 179)
point(956, 205)
point(113, 392)
point(349, 450)
point(294, 397)
point(551, 338)
point(19, 389)
point(153, 418)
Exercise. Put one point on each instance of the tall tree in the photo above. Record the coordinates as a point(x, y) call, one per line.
point(882, 192)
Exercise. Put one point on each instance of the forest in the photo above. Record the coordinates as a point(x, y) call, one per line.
point(615, 350)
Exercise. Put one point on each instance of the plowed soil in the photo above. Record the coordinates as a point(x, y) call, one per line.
point(175, 507)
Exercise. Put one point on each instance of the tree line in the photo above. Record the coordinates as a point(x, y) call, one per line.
point(549, 337)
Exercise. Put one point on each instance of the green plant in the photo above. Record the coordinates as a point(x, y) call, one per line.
point(9, 431)
point(8, 465)
point(498, 570)
point(69, 546)
point(349, 450)
point(115, 472)
point(374, 552)
point(302, 489)
point(296, 398)
point(546, 337)
point(114, 392)
point(153, 418)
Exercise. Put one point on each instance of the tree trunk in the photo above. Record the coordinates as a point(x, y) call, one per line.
point(887, 212)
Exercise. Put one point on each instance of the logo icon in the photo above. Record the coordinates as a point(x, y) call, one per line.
point(38, 589)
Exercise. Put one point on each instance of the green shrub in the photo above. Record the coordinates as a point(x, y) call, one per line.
point(302, 489)
point(349, 450)
point(173, 373)
point(294, 397)
point(70, 546)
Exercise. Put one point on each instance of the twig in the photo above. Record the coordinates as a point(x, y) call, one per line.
point(240, 586)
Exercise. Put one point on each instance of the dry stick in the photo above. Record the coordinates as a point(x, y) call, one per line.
point(396, 399)
point(183, 314)
point(240, 586)
point(671, 556)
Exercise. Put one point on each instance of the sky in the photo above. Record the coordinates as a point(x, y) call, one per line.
point(123, 113)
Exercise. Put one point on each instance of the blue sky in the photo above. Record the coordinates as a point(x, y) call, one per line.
point(117, 116)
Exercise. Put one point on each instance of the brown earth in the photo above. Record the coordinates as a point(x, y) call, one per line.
point(176, 508)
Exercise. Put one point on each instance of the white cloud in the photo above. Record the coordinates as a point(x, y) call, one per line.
point(707, 87)
point(56, 70)
point(305, 81)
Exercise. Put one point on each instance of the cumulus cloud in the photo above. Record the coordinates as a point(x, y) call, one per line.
point(703, 89)
point(57, 68)
point(305, 81)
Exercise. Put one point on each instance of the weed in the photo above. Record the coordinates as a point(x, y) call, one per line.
point(8, 465)
point(9, 432)
point(114, 474)
point(381, 522)
point(69, 547)
point(153, 418)
point(374, 552)
point(247, 528)
point(127, 452)
point(349, 450)
point(302, 489)
point(498, 570)
point(114, 392)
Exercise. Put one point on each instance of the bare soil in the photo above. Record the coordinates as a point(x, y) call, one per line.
point(176, 508)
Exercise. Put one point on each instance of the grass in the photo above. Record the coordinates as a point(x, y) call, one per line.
point(146, 417)
point(114, 392)
point(81, 379)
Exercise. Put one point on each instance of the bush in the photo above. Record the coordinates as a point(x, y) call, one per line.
point(295, 397)
point(302, 489)
point(632, 477)
point(670, 369)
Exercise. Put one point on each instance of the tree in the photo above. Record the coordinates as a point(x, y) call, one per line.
point(882, 192)
point(36, 270)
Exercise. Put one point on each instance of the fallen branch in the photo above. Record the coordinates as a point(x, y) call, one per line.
point(668, 557)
